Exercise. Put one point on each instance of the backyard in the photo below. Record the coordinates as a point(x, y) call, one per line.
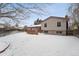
point(23, 44)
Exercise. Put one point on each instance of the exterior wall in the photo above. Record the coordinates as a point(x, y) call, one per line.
point(55, 32)
point(33, 30)
point(52, 26)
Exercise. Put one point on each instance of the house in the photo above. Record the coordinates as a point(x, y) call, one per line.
point(34, 29)
point(19, 27)
point(55, 25)
point(2, 27)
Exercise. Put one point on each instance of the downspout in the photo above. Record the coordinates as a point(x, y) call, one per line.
point(66, 17)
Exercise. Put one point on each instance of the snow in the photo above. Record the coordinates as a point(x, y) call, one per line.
point(35, 25)
point(23, 44)
point(3, 46)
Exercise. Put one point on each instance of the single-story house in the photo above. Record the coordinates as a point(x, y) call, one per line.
point(34, 29)
point(2, 27)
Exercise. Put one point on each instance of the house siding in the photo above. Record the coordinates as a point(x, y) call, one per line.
point(33, 30)
point(52, 26)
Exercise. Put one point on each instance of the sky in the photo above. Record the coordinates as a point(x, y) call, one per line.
point(58, 9)
point(50, 9)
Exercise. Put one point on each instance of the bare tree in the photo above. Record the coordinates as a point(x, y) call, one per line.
point(20, 11)
point(74, 12)
point(38, 21)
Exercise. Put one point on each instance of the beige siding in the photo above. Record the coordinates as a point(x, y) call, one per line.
point(52, 25)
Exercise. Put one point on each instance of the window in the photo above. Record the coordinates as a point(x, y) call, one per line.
point(45, 25)
point(58, 24)
point(45, 31)
point(59, 32)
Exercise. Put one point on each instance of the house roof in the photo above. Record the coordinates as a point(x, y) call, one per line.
point(55, 17)
point(35, 25)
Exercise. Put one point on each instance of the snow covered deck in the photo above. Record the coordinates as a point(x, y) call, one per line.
point(27, 44)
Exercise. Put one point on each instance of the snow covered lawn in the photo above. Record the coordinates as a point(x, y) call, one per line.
point(3, 46)
point(38, 45)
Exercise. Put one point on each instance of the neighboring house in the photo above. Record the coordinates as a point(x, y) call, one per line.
point(55, 25)
point(75, 29)
point(2, 26)
point(34, 29)
point(18, 27)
